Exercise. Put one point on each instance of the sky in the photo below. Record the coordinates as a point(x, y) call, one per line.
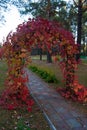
point(13, 19)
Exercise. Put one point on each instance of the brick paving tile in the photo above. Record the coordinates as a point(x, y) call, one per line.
point(57, 111)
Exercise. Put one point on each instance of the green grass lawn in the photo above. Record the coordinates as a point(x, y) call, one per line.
point(84, 61)
point(37, 57)
point(20, 119)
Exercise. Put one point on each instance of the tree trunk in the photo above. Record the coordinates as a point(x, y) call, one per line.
point(79, 28)
point(49, 58)
point(40, 53)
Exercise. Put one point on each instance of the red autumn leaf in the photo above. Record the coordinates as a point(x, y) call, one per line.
point(11, 107)
point(29, 109)
point(30, 102)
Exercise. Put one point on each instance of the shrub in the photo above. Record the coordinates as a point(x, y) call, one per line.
point(47, 76)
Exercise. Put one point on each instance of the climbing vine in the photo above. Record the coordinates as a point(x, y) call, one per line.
point(46, 35)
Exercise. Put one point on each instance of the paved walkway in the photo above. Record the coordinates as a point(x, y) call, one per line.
point(59, 114)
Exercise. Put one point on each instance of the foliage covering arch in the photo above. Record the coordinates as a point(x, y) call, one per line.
point(46, 35)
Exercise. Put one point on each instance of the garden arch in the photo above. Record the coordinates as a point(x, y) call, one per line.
point(46, 34)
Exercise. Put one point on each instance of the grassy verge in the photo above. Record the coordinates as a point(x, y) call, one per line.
point(3, 70)
point(51, 68)
point(37, 57)
point(44, 74)
point(20, 119)
point(84, 61)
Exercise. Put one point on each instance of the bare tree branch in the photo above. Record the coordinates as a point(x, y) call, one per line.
point(84, 8)
point(75, 3)
point(83, 1)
